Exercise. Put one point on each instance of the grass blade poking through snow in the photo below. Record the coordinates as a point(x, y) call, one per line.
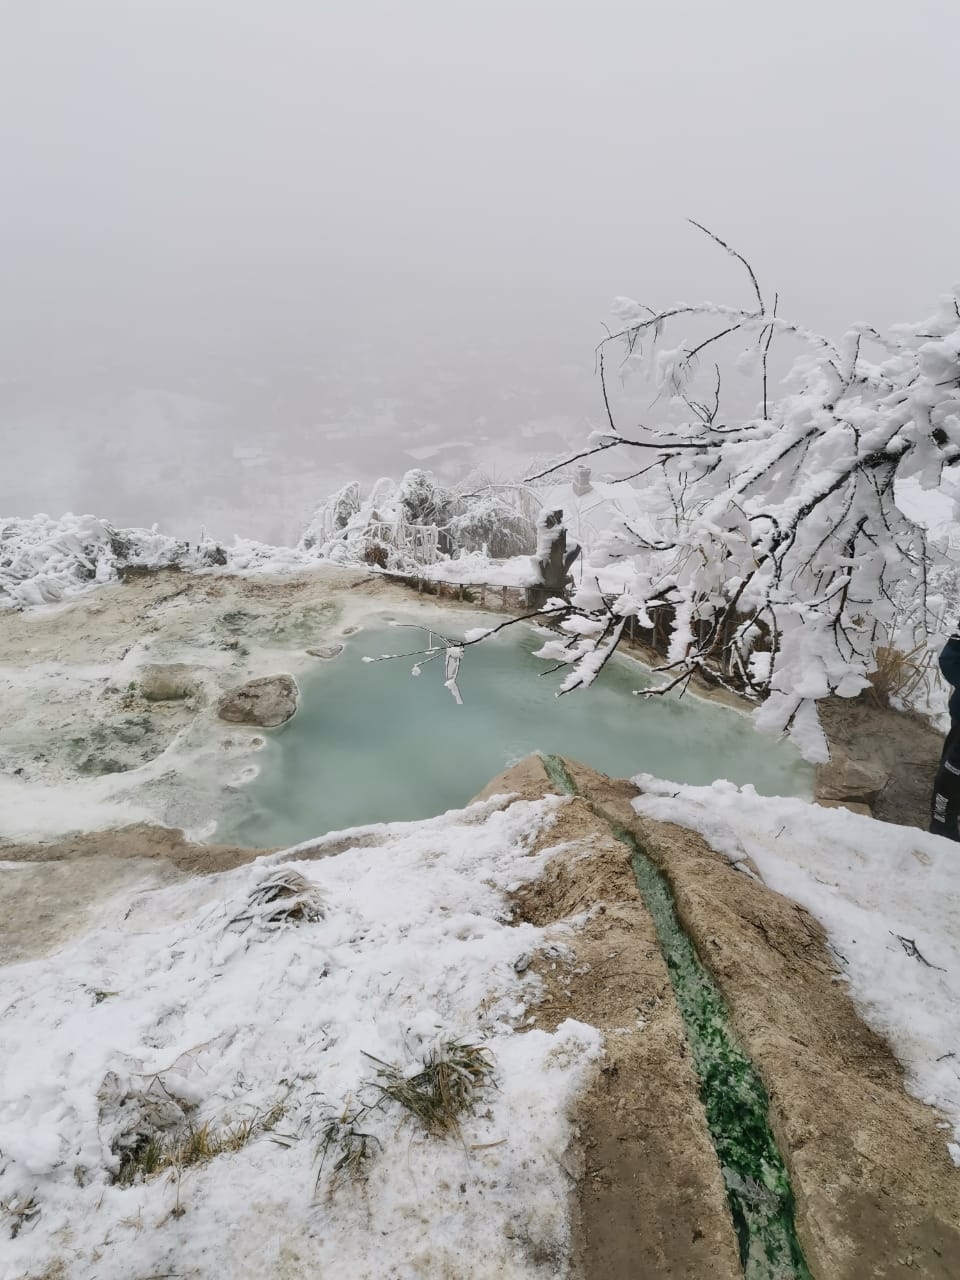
point(342, 1133)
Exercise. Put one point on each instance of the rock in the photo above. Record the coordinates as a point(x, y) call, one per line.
point(852, 805)
point(167, 682)
point(845, 779)
point(326, 651)
point(268, 702)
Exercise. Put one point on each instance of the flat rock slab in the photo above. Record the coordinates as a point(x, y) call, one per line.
point(326, 651)
point(50, 893)
point(168, 682)
point(266, 702)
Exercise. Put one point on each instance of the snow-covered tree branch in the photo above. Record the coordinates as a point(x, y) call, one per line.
point(773, 542)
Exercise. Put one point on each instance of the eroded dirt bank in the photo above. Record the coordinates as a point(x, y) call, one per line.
point(651, 1199)
point(876, 1192)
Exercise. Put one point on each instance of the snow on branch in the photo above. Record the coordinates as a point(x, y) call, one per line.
point(780, 555)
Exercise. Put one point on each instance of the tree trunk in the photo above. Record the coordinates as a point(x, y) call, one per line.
point(554, 560)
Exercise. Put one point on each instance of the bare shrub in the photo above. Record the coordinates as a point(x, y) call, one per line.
point(901, 675)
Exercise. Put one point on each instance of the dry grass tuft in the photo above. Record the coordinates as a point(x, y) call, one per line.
point(19, 1211)
point(436, 1096)
point(901, 674)
point(197, 1144)
point(55, 1271)
point(142, 1161)
point(376, 553)
point(443, 1090)
point(283, 896)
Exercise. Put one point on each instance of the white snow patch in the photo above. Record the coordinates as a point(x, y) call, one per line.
point(475, 568)
point(231, 1014)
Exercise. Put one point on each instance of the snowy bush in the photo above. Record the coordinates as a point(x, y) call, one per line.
point(402, 526)
point(490, 522)
point(43, 560)
point(332, 516)
point(424, 499)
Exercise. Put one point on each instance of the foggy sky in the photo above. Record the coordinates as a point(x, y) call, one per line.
point(432, 202)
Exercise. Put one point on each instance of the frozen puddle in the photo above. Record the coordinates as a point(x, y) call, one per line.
point(370, 743)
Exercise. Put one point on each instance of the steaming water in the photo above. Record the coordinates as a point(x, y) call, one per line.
point(371, 743)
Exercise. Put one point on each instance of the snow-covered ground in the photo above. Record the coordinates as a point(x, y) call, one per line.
point(888, 897)
point(185, 1005)
point(190, 1008)
point(182, 1006)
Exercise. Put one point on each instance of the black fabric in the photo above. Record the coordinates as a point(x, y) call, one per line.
point(950, 667)
point(945, 805)
point(945, 802)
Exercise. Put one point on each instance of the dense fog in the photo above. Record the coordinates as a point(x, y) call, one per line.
point(254, 248)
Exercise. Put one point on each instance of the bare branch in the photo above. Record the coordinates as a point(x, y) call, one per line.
point(466, 644)
point(606, 401)
point(733, 253)
point(766, 352)
point(586, 453)
point(707, 341)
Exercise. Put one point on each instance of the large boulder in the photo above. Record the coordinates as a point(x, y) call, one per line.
point(266, 702)
point(847, 780)
point(167, 682)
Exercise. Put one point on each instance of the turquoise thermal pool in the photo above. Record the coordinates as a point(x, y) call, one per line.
point(372, 743)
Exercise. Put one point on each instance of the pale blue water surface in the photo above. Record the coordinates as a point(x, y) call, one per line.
point(372, 743)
